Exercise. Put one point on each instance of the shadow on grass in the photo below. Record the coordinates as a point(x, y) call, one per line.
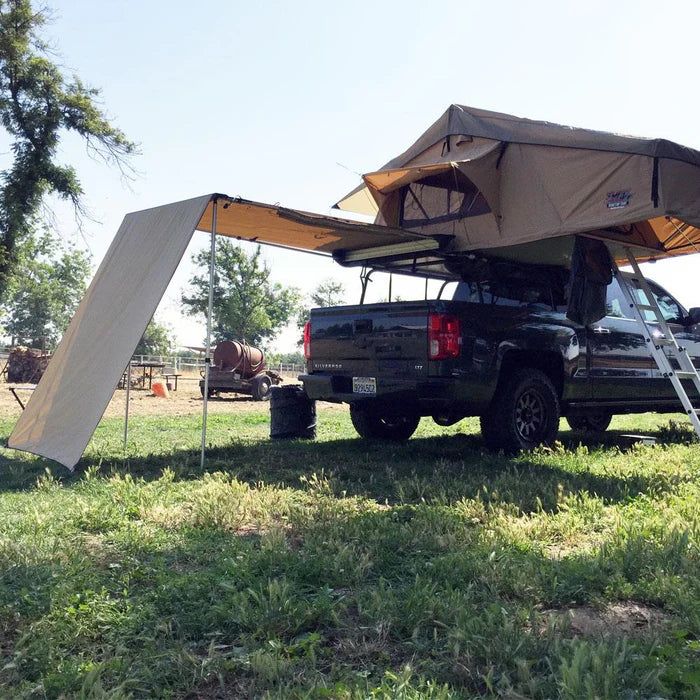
point(440, 469)
point(213, 585)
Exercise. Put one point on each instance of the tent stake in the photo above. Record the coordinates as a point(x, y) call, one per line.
point(207, 351)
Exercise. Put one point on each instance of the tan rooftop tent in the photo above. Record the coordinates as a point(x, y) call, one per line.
point(492, 180)
point(475, 181)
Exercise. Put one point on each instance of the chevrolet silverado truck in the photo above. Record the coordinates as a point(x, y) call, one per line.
point(502, 349)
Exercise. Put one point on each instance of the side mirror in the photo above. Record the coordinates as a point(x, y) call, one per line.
point(694, 316)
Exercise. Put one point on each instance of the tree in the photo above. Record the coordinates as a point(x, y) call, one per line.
point(296, 358)
point(247, 305)
point(46, 290)
point(156, 340)
point(327, 293)
point(38, 104)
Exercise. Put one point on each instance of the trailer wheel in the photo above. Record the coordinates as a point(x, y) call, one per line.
point(210, 393)
point(382, 426)
point(261, 388)
point(524, 413)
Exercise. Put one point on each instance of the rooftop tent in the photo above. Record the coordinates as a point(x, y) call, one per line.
point(494, 181)
point(71, 397)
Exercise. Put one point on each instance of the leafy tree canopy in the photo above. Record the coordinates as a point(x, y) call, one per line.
point(296, 358)
point(45, 290)
point(328, 293)
point(156, 340)
point(247, 304)
point(37, 105)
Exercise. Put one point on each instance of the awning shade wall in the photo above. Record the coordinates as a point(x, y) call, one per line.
point(71, 397)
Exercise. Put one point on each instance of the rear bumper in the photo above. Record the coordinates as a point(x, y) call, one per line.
point(427, 396)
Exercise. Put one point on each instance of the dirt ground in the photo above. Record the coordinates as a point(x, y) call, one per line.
point(186, 400)
point(616, 620)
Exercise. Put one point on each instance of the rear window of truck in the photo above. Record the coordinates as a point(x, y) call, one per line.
point(533, 294)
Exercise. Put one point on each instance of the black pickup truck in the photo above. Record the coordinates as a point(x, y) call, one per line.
point(501, 348)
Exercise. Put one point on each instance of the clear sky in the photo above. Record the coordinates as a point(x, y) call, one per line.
point(287, 102)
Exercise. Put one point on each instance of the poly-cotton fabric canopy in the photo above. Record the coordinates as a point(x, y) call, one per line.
point(291, 228)
point(494, 180)
point(71, 397)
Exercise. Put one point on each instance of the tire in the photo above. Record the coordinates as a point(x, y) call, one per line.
point(210, 393)
point(382, 426)
point(590, 422)
point(261, 388)
point(523, 414)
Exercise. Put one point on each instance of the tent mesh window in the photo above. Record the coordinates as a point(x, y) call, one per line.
point(440, 199)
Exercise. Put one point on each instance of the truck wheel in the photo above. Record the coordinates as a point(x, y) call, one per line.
point(524, 413)
point(383, 426)
point(261, 388)
point(210, 393)
point(590, 422)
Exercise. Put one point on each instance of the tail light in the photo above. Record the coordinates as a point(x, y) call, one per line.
point(443, 337)
point(307, 340)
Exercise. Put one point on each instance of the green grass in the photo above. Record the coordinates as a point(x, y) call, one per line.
point(344, 568)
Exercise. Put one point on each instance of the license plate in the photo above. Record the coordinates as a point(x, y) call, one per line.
point(364, 385)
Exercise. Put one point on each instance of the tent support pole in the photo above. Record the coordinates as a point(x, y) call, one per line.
point(126, 409)
point(207, 351)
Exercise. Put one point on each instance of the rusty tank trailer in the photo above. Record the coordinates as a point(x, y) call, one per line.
point(239, 368)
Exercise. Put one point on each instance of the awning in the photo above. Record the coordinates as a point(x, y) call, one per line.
point(71, 397)
point(298, 230)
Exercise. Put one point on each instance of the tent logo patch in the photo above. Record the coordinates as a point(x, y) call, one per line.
point(618, 200)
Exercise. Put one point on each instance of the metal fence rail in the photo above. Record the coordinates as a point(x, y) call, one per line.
point(191, 364)
point(185, 365)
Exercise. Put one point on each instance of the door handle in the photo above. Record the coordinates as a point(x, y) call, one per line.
point(601, 329)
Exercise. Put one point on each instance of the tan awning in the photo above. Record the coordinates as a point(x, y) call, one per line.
point(291, 228)
point(71, 397)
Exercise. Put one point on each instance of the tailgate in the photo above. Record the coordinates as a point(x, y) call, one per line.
point(387, 339)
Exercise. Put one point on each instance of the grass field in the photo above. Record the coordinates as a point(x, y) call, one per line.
point(343, 568)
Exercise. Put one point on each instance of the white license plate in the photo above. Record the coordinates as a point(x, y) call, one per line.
point(364, 385)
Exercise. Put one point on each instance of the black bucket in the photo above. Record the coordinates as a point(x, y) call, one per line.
point(292, 413)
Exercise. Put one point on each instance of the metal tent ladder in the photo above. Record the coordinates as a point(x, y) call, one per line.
point(663, 348)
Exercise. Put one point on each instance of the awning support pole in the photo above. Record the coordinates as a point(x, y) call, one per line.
point(126, 409)
point(207, 351)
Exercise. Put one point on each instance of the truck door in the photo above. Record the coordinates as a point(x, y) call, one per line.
point(620, 364)
point(686, 336)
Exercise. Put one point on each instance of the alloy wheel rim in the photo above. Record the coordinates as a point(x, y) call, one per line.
point(530, 415)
